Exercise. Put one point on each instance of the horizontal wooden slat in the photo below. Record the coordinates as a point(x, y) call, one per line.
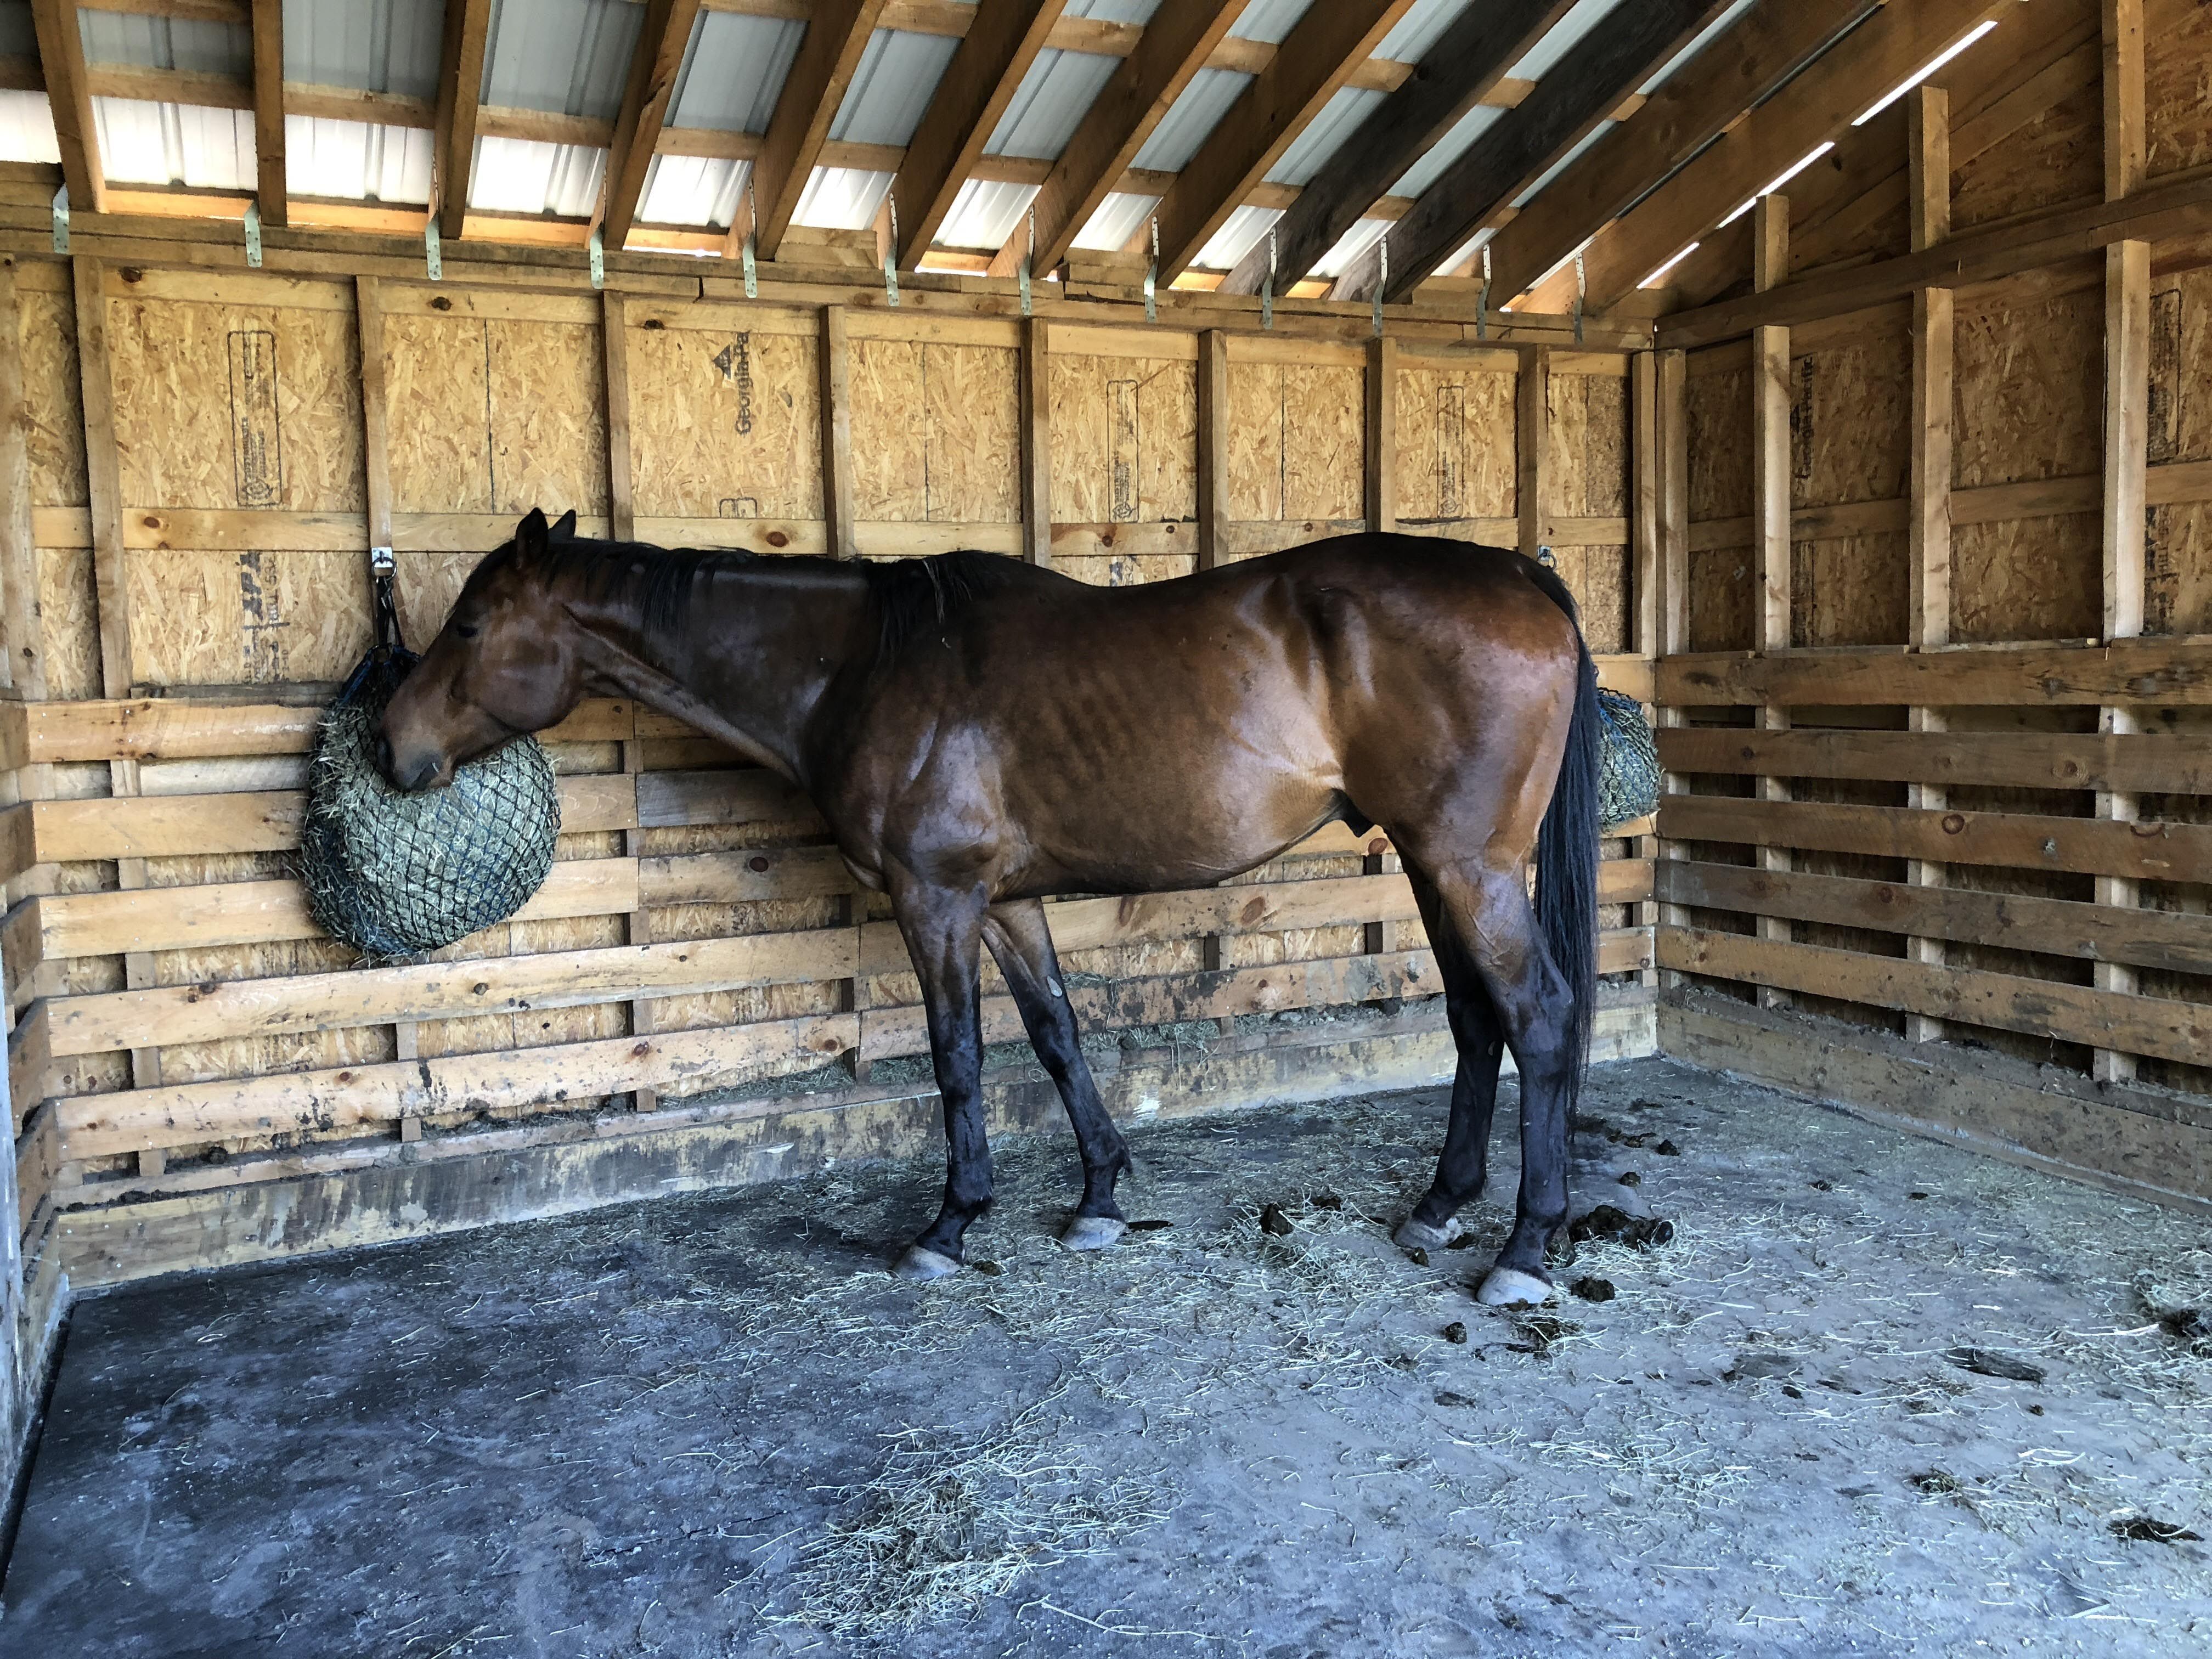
point(2102, 846)
point(2121, 1021)
point(177, 728)
point(2028, 760)
point(364, 1096)
point(2168, 939)
point(2170, 671)
point(442, 990)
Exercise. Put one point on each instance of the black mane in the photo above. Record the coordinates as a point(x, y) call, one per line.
point(910, 595)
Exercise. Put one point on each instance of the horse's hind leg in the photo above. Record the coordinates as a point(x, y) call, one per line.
point(942, 927)
point(1019, 940)
point(1489, 913)
point(1464, 1162)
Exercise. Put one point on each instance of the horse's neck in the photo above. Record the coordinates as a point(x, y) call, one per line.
point(755, 650)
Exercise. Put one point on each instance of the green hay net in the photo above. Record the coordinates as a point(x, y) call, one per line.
point(396, 875)
point(1628, 762)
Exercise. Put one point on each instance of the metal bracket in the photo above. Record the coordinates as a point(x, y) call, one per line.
point(61, 220)
point(752, 270)
point(597, 254)
point(1581, 289)
point(1482, 304)
point(254, 234)
point(1152, 277)
point(890, 254)
point(1268, 286)
point(1382, 282)
point(380, 562)
point(1547, 558)
point(432, 260)
point(1028, 259)
point(752, 233)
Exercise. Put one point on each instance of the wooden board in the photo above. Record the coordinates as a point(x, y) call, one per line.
point(1297, 439)
point(1456, 442)
point(725, 423)
point(936, 432)
point(1124, 445)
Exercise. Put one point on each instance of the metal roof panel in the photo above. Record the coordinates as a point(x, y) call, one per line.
point(521, 175)
point(148, 143)
point(1191, 117)
point(1118, 217)
point(568, 56)
point(898, 75)
point(692, 189)
point(377, 46)
point(734, 72)
point(27, 128)
point(1339, 119)
point(1270, 21)
point(356, 161)
point(168, 43)
point(1051, 102)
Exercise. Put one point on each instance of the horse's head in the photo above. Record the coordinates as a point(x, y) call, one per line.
point(504, 662)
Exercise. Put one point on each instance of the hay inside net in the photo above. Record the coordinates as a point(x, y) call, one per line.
point(396, 875)
point(1628, 762)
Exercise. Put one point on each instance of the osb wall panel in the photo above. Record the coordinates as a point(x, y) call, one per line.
point(725, 424)
point(1124, 438)
point(247, 618)
point(1850, 421)
point(222, 405)
point(2028, 405)
point(2058, 157)
point(53, 397)
point(1851, 590)
point(936, 432)
point(2178, 589)
point(2177, 84)
point(1588, 477)
point(1720, 601)
point(1457, 443)
point(494, 415)
point(1718, 408)
point(1297, 433)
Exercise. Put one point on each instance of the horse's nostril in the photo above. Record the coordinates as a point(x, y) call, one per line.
point(384, 754)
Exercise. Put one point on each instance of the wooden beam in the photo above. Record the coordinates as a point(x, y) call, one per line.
point(69, 95)
point(268, 111)
point(837, 436)
point(1532, 448)
point(1478, 191)
point(1311, 66)
point(1927, 148)
point(1817, 107)
point(614, 339)
point(2000, 760)
point(2049, 237)
point(1771, 548)
point(22, 639)
point(1382, 457)
point(1036, 440)
point(2124, 146)
point(460, 92)
point(1213, 447)
point(654, 68)
point(1464, 66)
point(2157, 671)
point(102, 477)
point(828, 57)
point(1000, 45)
point(1173, 50)
point(1732, 74)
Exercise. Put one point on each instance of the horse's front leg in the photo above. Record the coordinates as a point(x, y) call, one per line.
point(943, 928)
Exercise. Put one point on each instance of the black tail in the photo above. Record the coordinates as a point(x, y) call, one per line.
point(1566, 849)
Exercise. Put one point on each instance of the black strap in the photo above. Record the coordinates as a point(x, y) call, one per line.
point(388, 615)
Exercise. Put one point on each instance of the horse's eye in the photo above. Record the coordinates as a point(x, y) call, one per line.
point(466, 630)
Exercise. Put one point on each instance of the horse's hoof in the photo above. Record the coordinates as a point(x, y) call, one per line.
point(919, 1264)
point(1508, 1287)
point(1414, 1235)
point(1093, 1232)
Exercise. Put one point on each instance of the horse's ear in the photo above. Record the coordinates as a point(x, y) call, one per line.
point(565, 529)
point(531, 535)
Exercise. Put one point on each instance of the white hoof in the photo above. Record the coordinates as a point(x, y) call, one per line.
point(1093, 1232)
point(1507, 1287)
point(919, 1264)
point(1414, 1235)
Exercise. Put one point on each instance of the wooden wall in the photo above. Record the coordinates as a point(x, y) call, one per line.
point(209, 456)
point(1949, 790)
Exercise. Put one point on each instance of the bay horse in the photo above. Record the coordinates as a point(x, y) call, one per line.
point(979, 733)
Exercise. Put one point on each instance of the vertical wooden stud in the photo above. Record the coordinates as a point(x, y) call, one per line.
point(1382, 433)
point(837, 436)
point(1770, 509)
point(1672, 446)
point(2124, 97)
point(1927, 158)
point(268, 111)
point(1213, 447)
point(1532, 446)
point(614, 334)
point(376, 492)
point(1036, 440)
point(20, 638)
point(1645, 494)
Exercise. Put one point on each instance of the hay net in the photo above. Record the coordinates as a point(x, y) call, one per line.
point(396, 875)
point(1628, 762)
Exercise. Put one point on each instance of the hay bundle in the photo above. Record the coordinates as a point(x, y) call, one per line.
point(1628, 762)
point(396, 874)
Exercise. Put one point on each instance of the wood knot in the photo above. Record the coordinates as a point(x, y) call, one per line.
point(439, 302)
point(641, 1051)
point(345, 1077)
point(757, 866)
point(653, 325)
point(479, 987)
point(2147, 832)
point(778, 538)
point(1253, 910)
point(131, 274)
point(1953, 823)
point(1378, 847)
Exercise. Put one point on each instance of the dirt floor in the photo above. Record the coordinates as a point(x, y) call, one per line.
point(1874, 1395)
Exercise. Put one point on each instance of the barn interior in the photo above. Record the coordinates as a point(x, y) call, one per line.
point(1837, 353)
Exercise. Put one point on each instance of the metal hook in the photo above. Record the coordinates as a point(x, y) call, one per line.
point(1152, 277)
point(61, 220)
point(890, 252)
point(1029, 259)
point(1581, 289)
point(1482, 305)
point(433, 260)
point(752, 234)
point(1267, 287)
point(1382, 282)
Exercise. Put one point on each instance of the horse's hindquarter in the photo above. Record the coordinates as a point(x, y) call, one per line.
point(1141, 738)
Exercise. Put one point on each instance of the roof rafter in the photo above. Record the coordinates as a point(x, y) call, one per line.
point(654, 68)
point(1601, 70)
point(1465, 65)
point(61, 58)
point(269, 110)
point(1756, 55)
point(1816, 108)
point(828, 57)
point(978, 84)
point(1315, 61)
point(460, 92)
point(1172, 50)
